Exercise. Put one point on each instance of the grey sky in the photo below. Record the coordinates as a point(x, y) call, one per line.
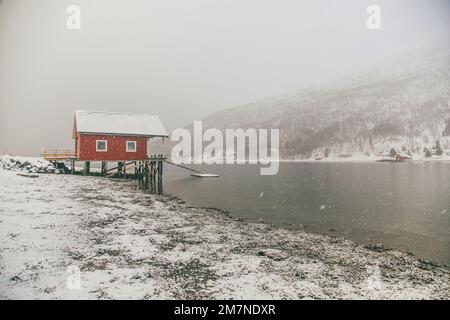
point(183, 60)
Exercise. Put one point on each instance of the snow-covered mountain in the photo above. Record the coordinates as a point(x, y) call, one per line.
point(402, 104)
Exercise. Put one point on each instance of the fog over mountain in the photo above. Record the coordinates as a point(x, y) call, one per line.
point(404, 104)
point(185, 60)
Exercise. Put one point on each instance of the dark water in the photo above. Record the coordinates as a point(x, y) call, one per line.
point(405, 206)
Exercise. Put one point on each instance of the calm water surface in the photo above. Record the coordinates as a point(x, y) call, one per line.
point(405, 206)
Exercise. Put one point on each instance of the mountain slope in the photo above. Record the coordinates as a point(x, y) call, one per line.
point(404, 104)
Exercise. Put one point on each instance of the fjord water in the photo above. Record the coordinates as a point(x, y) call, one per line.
point(405, 206)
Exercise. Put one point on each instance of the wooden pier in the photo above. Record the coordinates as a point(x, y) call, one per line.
point(58, 155)
point(147, 173)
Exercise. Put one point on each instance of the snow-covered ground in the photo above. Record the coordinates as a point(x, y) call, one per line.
point(133, 245)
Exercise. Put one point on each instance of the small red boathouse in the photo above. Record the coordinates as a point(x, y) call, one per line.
point(114, 136)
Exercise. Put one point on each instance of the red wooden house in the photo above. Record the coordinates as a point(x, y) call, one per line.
point(114, 136)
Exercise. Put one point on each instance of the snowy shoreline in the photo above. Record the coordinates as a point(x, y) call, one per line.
point(132, 245)
point(365, 160)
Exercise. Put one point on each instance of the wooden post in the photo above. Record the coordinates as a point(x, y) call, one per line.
point(72, 166)
point(119, 169)
point(104, 167)
point(139, 175)
point(143, 173)
point(160, 175)
point(155, 172)
point(146, 172)
point(87, 168)
point(157, 176)
point(151, 176)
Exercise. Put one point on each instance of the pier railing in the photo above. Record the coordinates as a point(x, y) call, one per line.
point(55, 155)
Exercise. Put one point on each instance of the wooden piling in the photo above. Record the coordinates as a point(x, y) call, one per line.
point(140, 176)
point(148, 173)
point(150, 177)
point(146, 177)
point(119, 169)
point(87, 168)
point(153, 177)
point(160, 175)
point(104, 168)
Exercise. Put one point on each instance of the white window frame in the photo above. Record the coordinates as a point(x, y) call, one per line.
point(106, 145)
point(135, 146)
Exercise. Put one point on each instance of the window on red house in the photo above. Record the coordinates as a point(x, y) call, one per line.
point(101, 145)
point(131, 146)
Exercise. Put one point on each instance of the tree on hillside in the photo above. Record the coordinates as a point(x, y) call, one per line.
point(392, 152)
point(439, 150)
point(427, 152)
point(447, 128)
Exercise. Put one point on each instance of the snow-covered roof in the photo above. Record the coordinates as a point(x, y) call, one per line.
point(103, 122)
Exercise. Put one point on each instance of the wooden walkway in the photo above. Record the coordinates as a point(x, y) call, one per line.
point(58, 155)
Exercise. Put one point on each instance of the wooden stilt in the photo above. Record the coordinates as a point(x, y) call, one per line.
point(119, 169)
point(142, 169)
point(143, 175)
point(104, 167)
point(154, 172)
point(160, 181)
point(157, 177)
point(87, 168)
point(146, 177)
point(140, 176)
point(72, 167)
point(149, 174)
point(153, 177)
